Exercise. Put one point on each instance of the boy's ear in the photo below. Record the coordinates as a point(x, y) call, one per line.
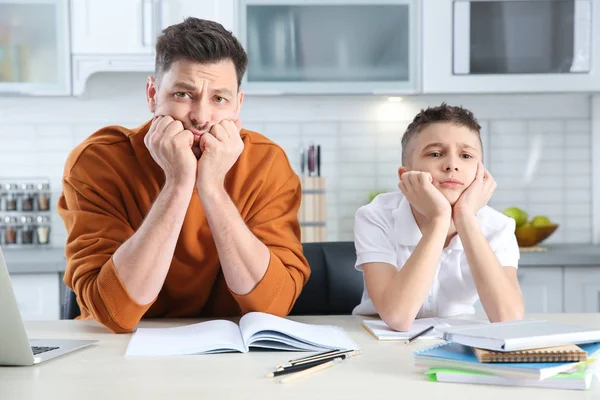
point(401, 170)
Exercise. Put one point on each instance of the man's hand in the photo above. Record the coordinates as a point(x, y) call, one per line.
point(170, 145)
point(418, 189)
point(476, 196)
point(221, 147)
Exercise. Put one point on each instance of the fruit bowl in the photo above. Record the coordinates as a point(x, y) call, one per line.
point(528, 236)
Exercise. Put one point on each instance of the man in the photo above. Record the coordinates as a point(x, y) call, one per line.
point(187, 215)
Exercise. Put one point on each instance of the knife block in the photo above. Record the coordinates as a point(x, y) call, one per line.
point(312, 214)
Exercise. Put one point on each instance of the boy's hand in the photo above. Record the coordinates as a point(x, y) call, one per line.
point(476, 196)
point(418, 189)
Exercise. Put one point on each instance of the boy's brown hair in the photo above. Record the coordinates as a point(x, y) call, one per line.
point(442, 113)
point(199, 40)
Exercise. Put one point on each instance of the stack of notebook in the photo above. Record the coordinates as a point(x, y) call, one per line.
point(519, 353)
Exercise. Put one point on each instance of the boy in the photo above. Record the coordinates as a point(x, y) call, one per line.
point(435, 248)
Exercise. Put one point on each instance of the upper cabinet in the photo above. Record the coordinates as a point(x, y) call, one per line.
point(119, 36)
point(175, 11)
point(113, 26)
point(487, 46)
point(331, 46)
point(34, 47)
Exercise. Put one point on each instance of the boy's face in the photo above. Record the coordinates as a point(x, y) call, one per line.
point(450, 153)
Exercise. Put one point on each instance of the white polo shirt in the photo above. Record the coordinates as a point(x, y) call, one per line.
point(386, 231)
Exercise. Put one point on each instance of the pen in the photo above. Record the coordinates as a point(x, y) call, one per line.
point(302, 367)
point(311, 358)
point(424, 331)
point(326, 357)
point(312, 370)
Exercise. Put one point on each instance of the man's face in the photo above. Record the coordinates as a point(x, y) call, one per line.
point(199, 95)
point(450, 153)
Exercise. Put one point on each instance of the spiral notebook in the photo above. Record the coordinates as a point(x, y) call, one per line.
point(457, 356)
point(567, 353)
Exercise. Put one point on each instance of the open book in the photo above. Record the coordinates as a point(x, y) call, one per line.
point(381, 331)
point(255, 330)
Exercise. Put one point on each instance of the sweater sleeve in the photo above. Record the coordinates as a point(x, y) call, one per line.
point(276, 225)
point(97, 226)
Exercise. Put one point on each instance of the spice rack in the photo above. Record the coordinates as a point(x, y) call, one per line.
point(25, 212)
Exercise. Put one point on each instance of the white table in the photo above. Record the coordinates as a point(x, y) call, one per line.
point(384, 371)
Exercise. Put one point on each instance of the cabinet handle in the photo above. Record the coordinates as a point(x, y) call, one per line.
point(157, 20)
point(147, 26)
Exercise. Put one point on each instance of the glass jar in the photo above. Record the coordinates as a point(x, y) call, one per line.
point(27, 230)
point(43, 229)
point(11, 197)
point(43, 196)
point(10, 230)
point(27, 197)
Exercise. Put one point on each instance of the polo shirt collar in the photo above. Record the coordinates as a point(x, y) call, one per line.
point(407, 231)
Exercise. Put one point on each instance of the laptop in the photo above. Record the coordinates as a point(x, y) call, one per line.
point(15, 348)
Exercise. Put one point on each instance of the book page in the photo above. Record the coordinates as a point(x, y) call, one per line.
point(382, 331)
point(211, 336)
point(264, 328)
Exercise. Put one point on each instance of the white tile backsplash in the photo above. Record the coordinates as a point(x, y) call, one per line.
point(360, 139)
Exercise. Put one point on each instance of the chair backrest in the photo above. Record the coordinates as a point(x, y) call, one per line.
point(334, 287)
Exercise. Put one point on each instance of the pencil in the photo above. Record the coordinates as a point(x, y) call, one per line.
point(311, 371)
point(310, 358)
point(424, 331)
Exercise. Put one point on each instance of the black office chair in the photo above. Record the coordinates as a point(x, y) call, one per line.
point(334, 287)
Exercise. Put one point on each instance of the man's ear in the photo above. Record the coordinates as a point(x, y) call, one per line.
point(240, 101)
point(151, 91)
point(401, 170)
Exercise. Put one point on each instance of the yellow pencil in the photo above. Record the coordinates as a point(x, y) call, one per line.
point(310, 371)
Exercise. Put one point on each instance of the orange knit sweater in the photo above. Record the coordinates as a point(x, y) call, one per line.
point(110, 182)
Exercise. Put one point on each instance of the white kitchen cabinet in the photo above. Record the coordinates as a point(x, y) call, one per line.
point(542, 289)
point(120, 36)
point(582, 289)
point(37, 295)
point(506, 46)
point(221, 11)
point(331, 46)
point(113, 27)
point(34, 47)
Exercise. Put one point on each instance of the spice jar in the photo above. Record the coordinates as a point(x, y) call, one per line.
point(27, 197)
point(10, 230)
point(3, 195)
point(11, 197)
point(43, 229)
point(43, 196)
point(27, 230)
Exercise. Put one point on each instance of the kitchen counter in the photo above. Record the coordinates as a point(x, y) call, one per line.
point(37, 260)
point(52, 259)
point(564, 254)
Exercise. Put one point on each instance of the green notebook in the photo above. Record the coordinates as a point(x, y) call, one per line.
point(579, 379)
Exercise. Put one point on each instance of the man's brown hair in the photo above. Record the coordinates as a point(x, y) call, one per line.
point(442, 113)
point(199, 40)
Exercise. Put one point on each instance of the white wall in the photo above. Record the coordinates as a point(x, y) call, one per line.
point(359, 136)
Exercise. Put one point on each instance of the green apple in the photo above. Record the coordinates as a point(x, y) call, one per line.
point(541, 221)
point(517, 214)
point(374, 194)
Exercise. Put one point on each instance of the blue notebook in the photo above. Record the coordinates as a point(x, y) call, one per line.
point(458, 356)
